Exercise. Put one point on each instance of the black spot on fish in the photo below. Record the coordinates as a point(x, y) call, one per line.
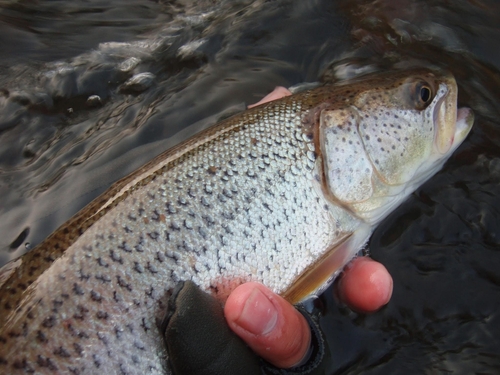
point(82, 335)
point(78, 348)
point(174, 226)
point(151, 268)
point(81, 312)
point(140, 245)
point(204, 202)
point(61, 352)
point(123, 370)
point(97, 361)
point(138, 267)
point(170, 208)
point(160, 257)
point(57, 302)
point(155, 216)
point(103, 278)
point(123, 283)
point(208, 219)
point(118, 332)
point(49, 322)
point(125, 247)
point(102, 315)
point(154, 235)
point(115, 257)
point(102, 337)
point(95, 296)
point(146, 326)
point(41, 337)
point(191, 192)
point(139, 345)
point(46, 362)
point(202, 232)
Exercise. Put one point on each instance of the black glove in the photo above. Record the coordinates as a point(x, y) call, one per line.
point(199, 341)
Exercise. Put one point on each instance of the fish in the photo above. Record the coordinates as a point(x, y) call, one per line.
point(285, 194)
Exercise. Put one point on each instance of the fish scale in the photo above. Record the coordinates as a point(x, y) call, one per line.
point(243, 201)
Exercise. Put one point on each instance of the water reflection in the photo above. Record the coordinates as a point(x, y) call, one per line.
point(60, 146)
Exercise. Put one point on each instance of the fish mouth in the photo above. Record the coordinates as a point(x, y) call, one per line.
point(452, 123)
point(445, 115)
point(463, 125)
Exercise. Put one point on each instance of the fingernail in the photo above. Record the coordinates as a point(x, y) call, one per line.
point(259, 316)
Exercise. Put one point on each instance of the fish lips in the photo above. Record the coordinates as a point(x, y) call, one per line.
point(463, 125)
point(452, 124)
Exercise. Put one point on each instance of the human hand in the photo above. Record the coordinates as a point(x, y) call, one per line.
point(199, 341)
point(277, 332)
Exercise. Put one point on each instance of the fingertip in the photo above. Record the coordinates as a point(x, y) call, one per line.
point(272, 327)
point(278, 93)
point(366, 285)
point(249, 308)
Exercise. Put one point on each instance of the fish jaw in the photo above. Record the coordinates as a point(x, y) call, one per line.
point(461, 128)
point(445, 114)
point(463, 125)
point(450, 135)
point(453, 124)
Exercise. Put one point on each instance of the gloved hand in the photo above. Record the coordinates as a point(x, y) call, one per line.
point(200, 343)
point(198, 339)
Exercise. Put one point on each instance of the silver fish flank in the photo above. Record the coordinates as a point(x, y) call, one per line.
point(284, 194)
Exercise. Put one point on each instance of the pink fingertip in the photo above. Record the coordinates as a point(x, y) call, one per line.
point(278, 93)
point(366, 285)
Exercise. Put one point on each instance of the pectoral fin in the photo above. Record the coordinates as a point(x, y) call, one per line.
point(321, 274)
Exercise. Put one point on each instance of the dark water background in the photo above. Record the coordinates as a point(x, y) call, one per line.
point(59, 149)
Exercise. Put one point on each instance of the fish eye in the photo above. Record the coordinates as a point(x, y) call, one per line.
point(423, 95)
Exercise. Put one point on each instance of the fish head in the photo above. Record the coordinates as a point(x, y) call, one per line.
point(390, 137)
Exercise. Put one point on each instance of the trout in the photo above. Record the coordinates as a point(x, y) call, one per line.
point(284, 194)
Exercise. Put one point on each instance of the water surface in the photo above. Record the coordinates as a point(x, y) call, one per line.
point(60, 145)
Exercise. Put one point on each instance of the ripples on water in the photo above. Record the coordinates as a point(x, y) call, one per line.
point(90, 90)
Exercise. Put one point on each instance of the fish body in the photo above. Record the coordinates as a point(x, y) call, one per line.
point(284, 194)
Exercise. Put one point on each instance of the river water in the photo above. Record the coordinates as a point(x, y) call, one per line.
point(91, 90)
